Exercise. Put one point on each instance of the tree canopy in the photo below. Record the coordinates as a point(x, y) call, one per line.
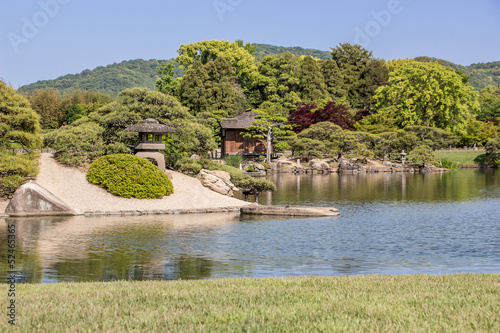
point(427, 94)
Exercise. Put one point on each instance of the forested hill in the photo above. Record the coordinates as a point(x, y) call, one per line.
point(112, 79)
point(265, 49)
point(480, 75)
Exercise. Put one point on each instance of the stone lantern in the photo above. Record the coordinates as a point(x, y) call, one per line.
point(150, 131)
point(403, 156)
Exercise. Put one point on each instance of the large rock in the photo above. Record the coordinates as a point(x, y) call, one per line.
point(32, 199)
point(218, 181)
point(346, 166)
point(254, 166)
point(316, 164)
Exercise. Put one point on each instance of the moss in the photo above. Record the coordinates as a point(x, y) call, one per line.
point(129, 176)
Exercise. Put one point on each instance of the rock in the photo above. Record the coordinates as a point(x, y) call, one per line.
point(347, 166)
point(392, 165)
point(217, 181)
point(253, 165)
point(32, 199)
point(290, 210)
point(316, 164)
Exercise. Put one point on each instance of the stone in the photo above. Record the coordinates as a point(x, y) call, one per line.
point(316, 164)
point(32, 199)
point(290, 210)
point(345, 166)
point(253, 165)
point(209, 178)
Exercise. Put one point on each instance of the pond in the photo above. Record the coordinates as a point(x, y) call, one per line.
point(389, 224)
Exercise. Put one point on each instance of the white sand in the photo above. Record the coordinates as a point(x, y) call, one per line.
point(71, 186)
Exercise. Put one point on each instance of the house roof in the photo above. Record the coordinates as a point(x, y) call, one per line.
point(241, 121)
point(150, 125)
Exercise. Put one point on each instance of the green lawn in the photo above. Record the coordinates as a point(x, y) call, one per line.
point(464, 157)
point(411, 303)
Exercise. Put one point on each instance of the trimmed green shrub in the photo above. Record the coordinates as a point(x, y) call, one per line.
point(129, 176)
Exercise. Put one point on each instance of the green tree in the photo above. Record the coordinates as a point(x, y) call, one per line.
point(47, 103)
point(206, 51)
point(167, 83)
point(312, 87)
point(376, 74)
point(352, 60)
point(19, 128)
point(268, 128)
point(427, 94)
point(493, 151)
point(489, 98)
point(333, 79)
point(278, 85)
point(422, 154)
point(212, 87)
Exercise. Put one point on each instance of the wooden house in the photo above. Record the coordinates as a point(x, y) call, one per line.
point(232, 142)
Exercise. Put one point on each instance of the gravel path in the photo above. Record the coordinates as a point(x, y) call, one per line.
point(71, 186)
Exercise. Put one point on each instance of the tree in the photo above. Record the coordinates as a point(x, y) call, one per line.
point(167, 83)
point(312, 87)
point(333, 79)
point(206, 51)
point(277, 86)
point(352, 60)
point(427, 94)
point(422, 154)
point(493, 151)
point(212, 87)
point(19, 128)
point(308, 114)
point(47, 103)
point(489, 98)
point(376, 74)
point(267, 128)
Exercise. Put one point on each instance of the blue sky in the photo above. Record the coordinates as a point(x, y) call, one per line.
point(44, 39)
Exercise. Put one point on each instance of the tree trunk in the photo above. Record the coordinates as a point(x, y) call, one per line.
point(268, 146)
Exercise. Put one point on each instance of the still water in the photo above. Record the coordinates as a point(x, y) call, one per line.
point(389, 224)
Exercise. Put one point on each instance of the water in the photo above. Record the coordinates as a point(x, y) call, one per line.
point(389, 224)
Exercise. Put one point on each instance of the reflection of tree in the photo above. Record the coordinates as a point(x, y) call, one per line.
point(186, 267)
point(459, 186)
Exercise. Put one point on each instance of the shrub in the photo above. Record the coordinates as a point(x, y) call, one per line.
point(233, 160)
point(129, 176)
point(493, 151)
point(422, 154)
point(448, 164)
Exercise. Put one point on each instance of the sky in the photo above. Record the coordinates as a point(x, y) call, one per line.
point(45, 39)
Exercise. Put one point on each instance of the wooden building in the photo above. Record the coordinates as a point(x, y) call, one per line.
point(232, 142)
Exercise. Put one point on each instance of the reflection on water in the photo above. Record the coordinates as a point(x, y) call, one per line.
point(389, 224)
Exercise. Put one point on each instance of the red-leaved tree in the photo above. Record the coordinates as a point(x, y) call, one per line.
point(308, 114)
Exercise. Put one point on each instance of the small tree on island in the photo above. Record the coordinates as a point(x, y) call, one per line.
point(267, 128)
point(422, 154)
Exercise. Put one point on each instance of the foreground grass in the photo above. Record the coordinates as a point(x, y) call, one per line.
point(462, 302)
point(463, 157)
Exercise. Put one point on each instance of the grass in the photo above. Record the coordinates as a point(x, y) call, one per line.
point(462, 157)
point(416, 303)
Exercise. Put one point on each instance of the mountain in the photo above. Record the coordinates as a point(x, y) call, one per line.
point(112, 79)
point(480, 75)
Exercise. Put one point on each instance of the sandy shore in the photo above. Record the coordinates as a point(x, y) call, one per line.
point(71, 186)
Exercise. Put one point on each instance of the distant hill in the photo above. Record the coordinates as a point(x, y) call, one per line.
point(112, 79)
point(480, 75)
point(266, 49)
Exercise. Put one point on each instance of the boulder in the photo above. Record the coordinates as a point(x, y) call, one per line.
point(32, 199)
point(316, 164)
point(217, 181)
point(256, 166)
point(348, 166)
